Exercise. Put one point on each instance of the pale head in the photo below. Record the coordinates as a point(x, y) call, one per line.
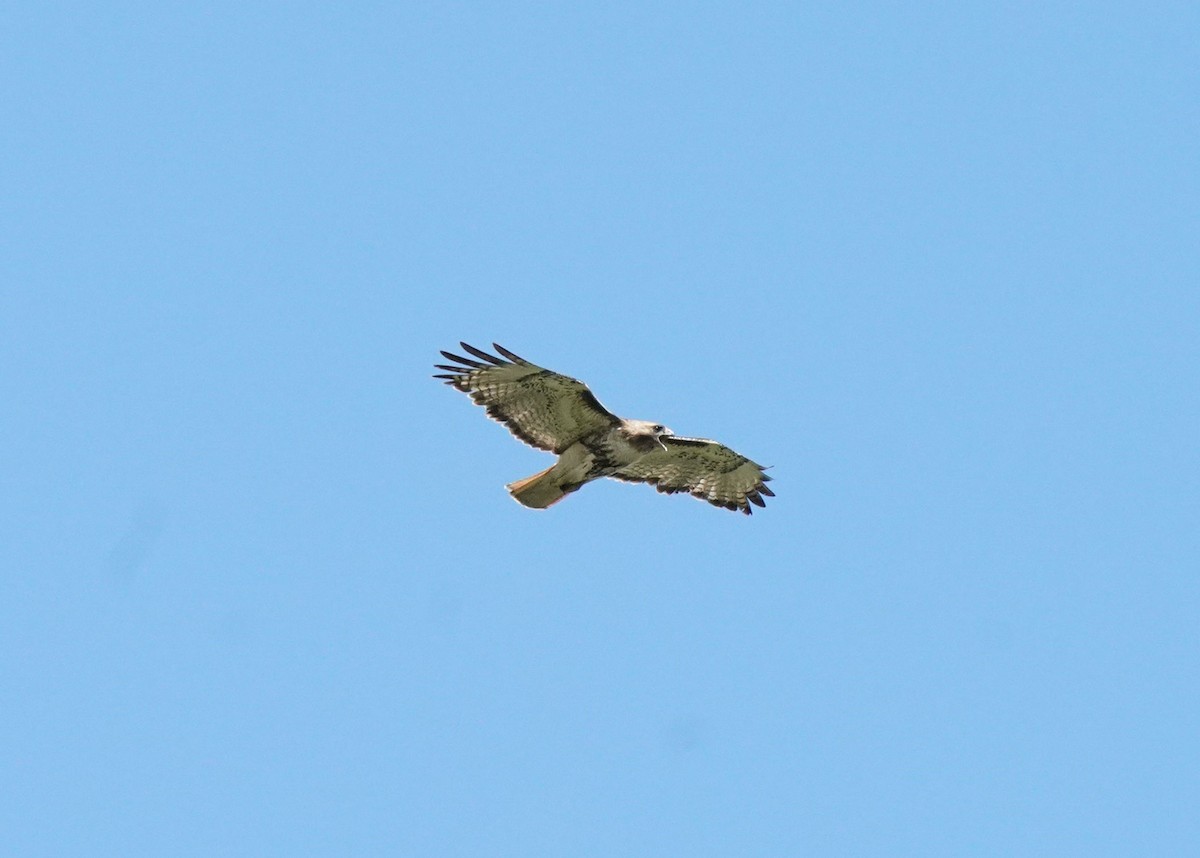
point(645, 431)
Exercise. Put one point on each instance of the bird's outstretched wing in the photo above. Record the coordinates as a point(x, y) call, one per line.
point(704, 469)
point(543, 408)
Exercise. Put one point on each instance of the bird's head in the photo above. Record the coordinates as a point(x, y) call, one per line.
point(646, 432)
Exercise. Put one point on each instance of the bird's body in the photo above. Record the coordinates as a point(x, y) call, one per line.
point(601, 454)
point(557, 413)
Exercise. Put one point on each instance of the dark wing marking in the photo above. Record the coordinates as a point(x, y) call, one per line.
point(704, 469)
point(543, 408)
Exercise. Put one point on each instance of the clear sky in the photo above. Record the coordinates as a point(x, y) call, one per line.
point(262, 591)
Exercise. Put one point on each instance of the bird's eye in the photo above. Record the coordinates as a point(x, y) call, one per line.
point(658, 427)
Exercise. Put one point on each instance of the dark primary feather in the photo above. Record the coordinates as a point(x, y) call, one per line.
point(464, 361)
point(480, 353)
point(512, 357)
point(544, 409)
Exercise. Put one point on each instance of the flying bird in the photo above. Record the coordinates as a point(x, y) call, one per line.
point(555, 412)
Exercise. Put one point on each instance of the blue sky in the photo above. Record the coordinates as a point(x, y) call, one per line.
point(263, 592)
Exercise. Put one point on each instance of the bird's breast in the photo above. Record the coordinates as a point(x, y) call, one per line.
point(614, 450)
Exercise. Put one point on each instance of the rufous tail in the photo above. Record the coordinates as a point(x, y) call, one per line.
point(539, 491)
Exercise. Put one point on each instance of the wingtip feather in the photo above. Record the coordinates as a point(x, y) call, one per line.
point(464, 361)
point(480, 353)
point(515, 358)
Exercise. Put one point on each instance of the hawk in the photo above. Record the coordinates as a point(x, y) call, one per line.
point(557, 413)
